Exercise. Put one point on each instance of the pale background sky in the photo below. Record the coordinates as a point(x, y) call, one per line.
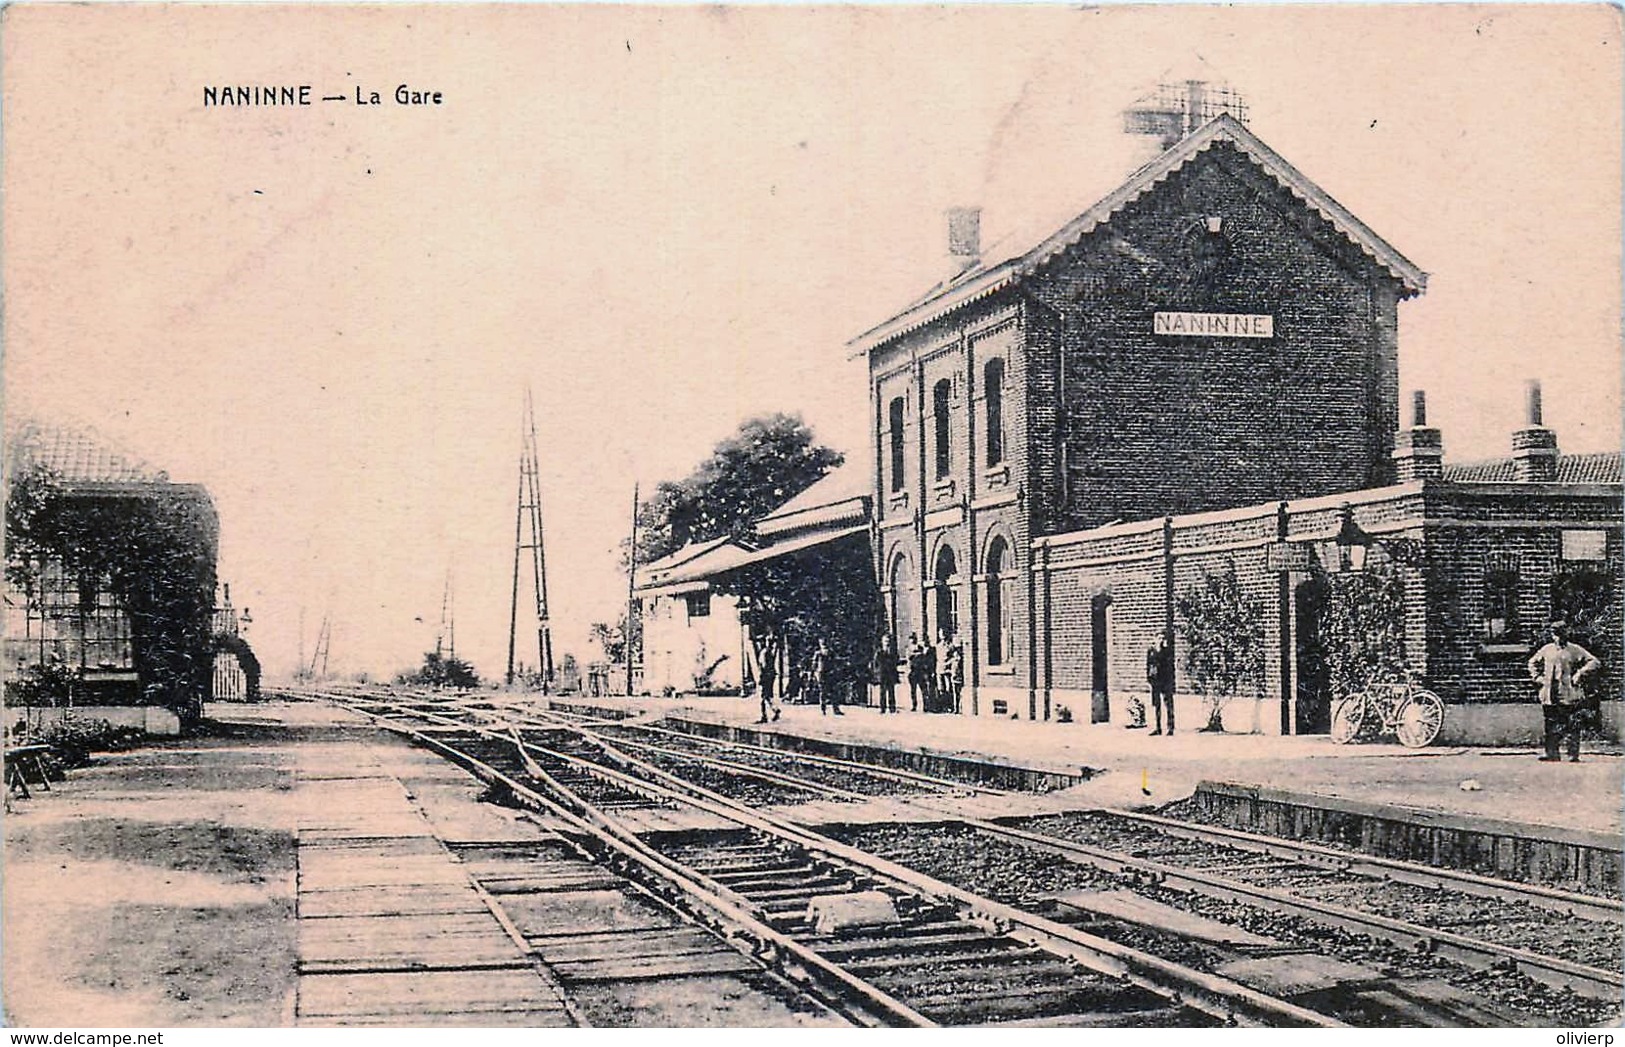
point(667, 219)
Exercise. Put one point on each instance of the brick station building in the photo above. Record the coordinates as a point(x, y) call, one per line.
point(1200, 370)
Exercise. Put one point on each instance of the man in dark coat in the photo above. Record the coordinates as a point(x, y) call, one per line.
point(928, 674)
point(768, 676)
point(916, 671)
point(886, 673)
point(821, 677)
point(1159, 673)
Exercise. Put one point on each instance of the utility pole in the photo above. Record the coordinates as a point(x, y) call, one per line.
point(631, 586)
point(529, 511)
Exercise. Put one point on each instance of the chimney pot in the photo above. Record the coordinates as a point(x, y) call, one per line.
point(1418, 451)
point(965, 236)
point(1534, 447)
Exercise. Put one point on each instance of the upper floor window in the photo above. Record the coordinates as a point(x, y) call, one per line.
point(939, 414)
point(699, 604)
point(993, 394)
point(894, 423)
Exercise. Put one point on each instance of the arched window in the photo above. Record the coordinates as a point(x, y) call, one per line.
point(894, 422)
point(947, 604)
point(939, 413)
point(998, 603)
point(993, 393)
point(902, 599)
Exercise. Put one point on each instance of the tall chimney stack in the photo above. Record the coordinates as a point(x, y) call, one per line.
point(1534, 447)
point(964, 238)
point(1419, 450)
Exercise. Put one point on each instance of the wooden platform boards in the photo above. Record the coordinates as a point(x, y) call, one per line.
point(421, 906)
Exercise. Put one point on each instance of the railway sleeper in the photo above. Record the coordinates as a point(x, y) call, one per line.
point(918, 945)
point(1040, 974)
point(772, 889)
point(775, 872)
point(1000, 951)
point(1018, 1002)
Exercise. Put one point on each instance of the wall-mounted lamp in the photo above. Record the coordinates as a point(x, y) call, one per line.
point(1349, 552)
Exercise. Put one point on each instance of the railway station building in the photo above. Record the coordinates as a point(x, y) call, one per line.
point(110, 586)
point(1195, 383)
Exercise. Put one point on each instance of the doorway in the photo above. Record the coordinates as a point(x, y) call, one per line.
point(1313, 690)
point(1100, 625)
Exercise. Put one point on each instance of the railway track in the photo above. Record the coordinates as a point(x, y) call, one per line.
point(874, 941)
point(1557, 938)
point(1144, 853)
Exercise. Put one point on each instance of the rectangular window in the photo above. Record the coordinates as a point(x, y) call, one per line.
point(1500, 596)
point(699, 604)
point(1585, 545)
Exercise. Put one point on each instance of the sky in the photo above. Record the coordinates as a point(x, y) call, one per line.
point(664, 220)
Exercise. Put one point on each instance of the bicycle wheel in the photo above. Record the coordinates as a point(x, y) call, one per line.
point(1348, 716)
point(1419, 720)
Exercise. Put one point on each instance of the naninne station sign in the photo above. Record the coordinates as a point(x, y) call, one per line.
point(1209, 325)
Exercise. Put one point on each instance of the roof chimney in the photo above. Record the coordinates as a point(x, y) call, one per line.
point(964, 237)
point(1534, 447)
point(1419, 450)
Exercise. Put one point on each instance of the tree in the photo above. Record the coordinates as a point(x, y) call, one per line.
point(1224, 640)
point(440, 670)
point(770, 460)
point(611, 639)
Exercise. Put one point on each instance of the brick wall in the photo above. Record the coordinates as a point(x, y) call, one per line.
point(1460, 525)
point(1156, 424)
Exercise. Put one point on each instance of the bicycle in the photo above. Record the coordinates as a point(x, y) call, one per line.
point(1402, 708)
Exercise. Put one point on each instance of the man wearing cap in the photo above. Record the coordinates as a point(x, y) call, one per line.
point(1558, 668)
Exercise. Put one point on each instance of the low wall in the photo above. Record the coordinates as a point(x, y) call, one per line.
point(153, 719)
point(981, 772)
point(1569, 858)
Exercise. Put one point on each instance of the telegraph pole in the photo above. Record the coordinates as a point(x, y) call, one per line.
point(529, 510)
point(631, 586)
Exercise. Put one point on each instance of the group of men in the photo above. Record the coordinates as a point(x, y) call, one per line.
point(1559, 668)
point(938, 682)
point(816, 682)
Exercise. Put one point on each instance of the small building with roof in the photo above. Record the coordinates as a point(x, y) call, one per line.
point(110, 583)
point(699, 630)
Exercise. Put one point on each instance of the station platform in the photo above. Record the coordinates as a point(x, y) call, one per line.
point(1138, 770)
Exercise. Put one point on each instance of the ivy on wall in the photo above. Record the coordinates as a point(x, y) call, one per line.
point(1223, 629)
point(1362, 630)
point(156, 549)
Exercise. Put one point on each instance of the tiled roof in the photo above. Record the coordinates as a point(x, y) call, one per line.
point(1602, 468)
point(982, 281)
point(77, 454)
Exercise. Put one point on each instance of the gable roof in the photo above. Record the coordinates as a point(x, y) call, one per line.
point(981, 281)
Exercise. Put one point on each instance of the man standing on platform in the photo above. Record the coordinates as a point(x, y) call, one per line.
point(886, 673)
point(769, 676)
point(827, 698)
point(1558, 668)
point(916, 671)
point(1159, 673)
point(952, 679)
